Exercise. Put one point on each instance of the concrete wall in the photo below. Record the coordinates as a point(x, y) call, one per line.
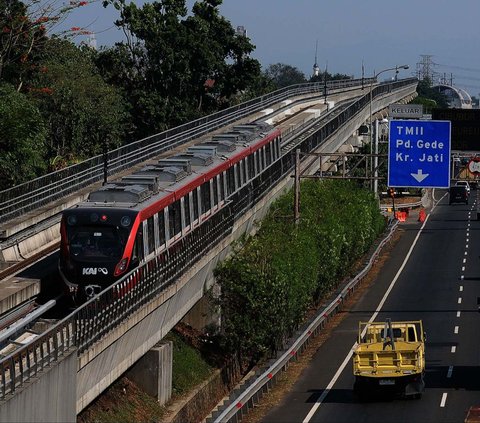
point(49, 397)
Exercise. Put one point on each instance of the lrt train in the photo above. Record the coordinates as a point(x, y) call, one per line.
point(129, 221)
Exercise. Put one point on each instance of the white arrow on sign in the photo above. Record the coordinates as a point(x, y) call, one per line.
point(419, 176)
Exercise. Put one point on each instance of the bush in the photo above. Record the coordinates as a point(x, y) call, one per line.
point(271, 279)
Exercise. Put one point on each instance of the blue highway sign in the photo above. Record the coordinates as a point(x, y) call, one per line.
point(419, 153)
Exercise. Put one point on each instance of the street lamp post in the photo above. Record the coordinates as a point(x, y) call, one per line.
point(375, 76)
point(375, 158)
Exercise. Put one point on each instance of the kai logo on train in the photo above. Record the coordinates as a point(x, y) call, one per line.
point(93, 271)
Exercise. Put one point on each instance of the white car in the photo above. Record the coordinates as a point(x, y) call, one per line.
point(464, 184)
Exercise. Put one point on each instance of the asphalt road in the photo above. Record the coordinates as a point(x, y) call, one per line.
point(437, 281)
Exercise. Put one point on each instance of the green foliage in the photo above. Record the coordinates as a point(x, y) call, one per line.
point(189, 369)
point(80, 109)
point(272, 278)
point(330, 77)
point(175, 68)
point(22, 138)
point(22, 36)
point(283, 75)
point(430, 97)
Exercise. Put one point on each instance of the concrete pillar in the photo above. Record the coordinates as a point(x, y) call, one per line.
point(204, 313)
point(153, 372)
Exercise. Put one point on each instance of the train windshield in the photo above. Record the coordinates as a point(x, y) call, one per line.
point(90, 243)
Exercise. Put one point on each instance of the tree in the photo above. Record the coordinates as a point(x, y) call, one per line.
point(329, 77)
point(175, 68)
point(81, 111)
point(23, 34)
point(283, 75)
point(22, 138)
point(429, 96)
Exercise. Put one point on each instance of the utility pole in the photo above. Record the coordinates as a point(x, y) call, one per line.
point(363, 76)
point(325, 85)
point(316, 68)
point(105, 161)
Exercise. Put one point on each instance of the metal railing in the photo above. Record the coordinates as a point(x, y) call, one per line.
point(251, 395)
point(107, 310)
point(31, 195)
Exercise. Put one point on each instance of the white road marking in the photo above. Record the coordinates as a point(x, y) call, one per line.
point(455, 330)
point(461, 288)
point(372, 318)
point(459, 300)
point(444, 399)
point(466, 246)
point(458, 313)
point(461, 277)
point(466, 253)
point(468, 239)
point(463, 268)
point(453, 350)
point(450, 371)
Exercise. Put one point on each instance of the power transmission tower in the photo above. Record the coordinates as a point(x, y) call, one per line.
point(425, 68)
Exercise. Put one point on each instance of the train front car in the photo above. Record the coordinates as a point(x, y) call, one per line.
point(93, 251)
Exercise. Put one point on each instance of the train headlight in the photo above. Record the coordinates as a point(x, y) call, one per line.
point(121, 267)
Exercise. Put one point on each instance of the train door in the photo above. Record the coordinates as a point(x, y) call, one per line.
point(236, 174)
point(194, 206)
point(174, 221)
point(185, 213)
point(206, 199)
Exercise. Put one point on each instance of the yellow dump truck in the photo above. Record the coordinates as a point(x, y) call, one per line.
point(390, 358)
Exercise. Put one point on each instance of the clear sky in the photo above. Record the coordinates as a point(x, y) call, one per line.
point(382, 34)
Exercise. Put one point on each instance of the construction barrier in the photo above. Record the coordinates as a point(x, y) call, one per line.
point(422, 215)
point(401, 216)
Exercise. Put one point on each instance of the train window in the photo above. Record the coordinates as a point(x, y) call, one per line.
point(90, 243)
point(251, 167)
point(268, 152)
point(195, 203)
point(205, 196)
point(215, 190)
point(264, 162)
point(137, 253)
point(161, 227)
point(174, 218)
point(186, 209)
point(150, 236)
point(257, 162)
point(230, 180)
